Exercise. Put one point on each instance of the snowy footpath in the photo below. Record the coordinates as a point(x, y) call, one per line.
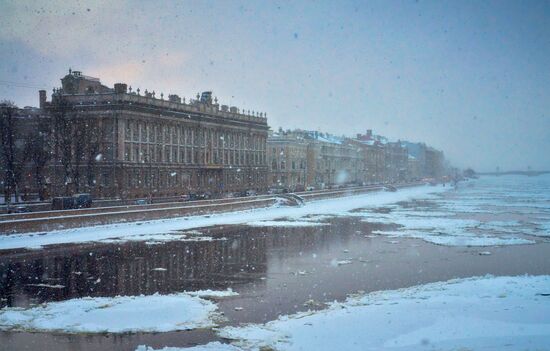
point(485, 313)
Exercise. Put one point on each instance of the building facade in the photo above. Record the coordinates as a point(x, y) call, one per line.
point(372, 148)
point(300, 159)
point(134, 145)
point(287, 156)
point(120, 143)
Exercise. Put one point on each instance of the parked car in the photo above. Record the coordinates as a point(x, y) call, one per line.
point(141, 202)
point(19, 209)
point(199, 196)
point(63, 203)
point(193, 197)
point(251, 193)
point(83, 200)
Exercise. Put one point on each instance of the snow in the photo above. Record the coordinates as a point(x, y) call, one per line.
point(453, 218)
point(208, 294)
point(120, 314)
point(336, 262)
point(451, 221)
point(285, 224)
point(458, 238)
point(129, 231)
point(159, 238)
point(483, 313)
point(450, 231)
point(543, 229)
point(212, 346)
point(51, 286)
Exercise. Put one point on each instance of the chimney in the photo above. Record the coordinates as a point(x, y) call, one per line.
point(369, 133)
point(121, 88)
point(42, 98)
point(174, 98)
point(206, 97)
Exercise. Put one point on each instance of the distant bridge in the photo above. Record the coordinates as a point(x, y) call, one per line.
point(526, 173)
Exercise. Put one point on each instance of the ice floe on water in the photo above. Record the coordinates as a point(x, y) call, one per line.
point(213, 293)
point(336, 262)
point(152, 239)
point(285, 224)
point(212, 346)
point(120, 314)
point(456, 239)
point(491, 211)
point(487, 313)
point(442, 231)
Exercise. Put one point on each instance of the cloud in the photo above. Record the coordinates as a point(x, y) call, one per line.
point(58, 29)
point(158, 72)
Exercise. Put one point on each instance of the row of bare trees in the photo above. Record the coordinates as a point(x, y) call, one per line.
point(11, 154)
point(56, 150)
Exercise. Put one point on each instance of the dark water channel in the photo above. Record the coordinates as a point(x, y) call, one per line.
point(275, 270)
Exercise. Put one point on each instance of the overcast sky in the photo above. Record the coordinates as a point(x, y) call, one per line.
point(469, 77)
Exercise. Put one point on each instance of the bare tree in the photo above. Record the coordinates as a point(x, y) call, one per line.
point(93, 139)
point(80, 140)
point(10, 152)
point(62, 123)
point(38, 151)
point(77, 142)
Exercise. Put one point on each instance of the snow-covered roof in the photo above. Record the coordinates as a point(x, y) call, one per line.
point(327, 138)
point(376, 139)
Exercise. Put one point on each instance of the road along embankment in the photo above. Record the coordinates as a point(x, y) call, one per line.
point(55, 220)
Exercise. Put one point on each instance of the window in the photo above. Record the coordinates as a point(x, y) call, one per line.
point(128, 131)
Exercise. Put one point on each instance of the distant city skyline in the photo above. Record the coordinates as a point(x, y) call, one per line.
point(469, 78)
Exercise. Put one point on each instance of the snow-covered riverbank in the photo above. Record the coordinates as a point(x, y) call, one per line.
point(516, 210)
point(164, 230)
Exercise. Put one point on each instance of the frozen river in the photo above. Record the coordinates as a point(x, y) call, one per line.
point(293, 261)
